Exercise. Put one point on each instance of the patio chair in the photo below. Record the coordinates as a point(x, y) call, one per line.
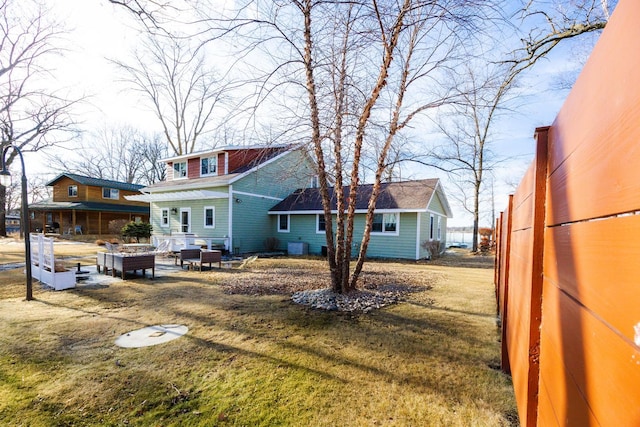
point(163, 248)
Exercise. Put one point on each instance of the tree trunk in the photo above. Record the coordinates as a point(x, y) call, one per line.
point(476, 217)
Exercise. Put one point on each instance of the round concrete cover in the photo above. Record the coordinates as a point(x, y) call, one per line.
point(151, 335)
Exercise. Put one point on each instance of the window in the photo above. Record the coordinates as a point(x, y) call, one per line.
point(385, 223)
point(110, 193)
point(283, 223)
point(321, 225)
point(209, 217)
point(208, 165)
point(431, 227)
point(73, 191)
point(179, 170)
point(315, 183)
point(185, 220)
point(164, 218)
point(439, 229)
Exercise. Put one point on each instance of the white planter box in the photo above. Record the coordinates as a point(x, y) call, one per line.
point(43, 265)
point(57, 280)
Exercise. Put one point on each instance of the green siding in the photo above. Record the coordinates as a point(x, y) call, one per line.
point(302, 229)
point(389, 246)
point(197, 215)
point(221, 206)
point(279, 178)
point(436, 205)
point(425, 231)
point(252, 223)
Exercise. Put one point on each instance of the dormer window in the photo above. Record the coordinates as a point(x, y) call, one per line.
point(179, 170)
point(208, 166)
point(110, 193)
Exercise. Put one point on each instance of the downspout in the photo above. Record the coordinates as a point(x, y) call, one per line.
point(230, 222)
point(418, 236)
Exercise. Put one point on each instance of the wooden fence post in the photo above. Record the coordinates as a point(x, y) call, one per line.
point(505, 257)
point(539, 212)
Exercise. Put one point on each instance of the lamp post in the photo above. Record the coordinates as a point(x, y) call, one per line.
point(5, 180)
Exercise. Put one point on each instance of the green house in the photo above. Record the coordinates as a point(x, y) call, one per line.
point(222, 197)
point(410, 220)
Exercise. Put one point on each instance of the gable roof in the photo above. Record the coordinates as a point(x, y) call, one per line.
point(256, 163)
point(264, 152)
point(96, 182)
point(414, 196)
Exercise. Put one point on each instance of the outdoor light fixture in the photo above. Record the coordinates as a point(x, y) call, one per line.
point(5, 180)
point(174, 210)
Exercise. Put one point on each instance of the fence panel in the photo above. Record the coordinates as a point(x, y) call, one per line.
point(589, 340)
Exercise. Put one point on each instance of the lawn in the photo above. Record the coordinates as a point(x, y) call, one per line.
point(251, 356)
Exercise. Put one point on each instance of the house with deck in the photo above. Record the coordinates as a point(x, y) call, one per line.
point(410, 219)
point(221, 197)
point(85, 205)
point(236, 198)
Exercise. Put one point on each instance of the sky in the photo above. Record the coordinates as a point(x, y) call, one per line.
point(98, 32)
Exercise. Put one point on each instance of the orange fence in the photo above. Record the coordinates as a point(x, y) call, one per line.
point(568, 266)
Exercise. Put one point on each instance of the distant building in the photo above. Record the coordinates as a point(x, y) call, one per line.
point(85, 205)
point(12, 223)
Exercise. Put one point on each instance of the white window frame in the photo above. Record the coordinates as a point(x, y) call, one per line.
point(431, 226)
point(439, 228)
point(164, 218)
point(72, 191)
point(396, 232)
point(215, 165)
point(213, 214)
point(188, 211)
point(112, 192)
point(318, 231)
point(288, 223)
point(186, 170)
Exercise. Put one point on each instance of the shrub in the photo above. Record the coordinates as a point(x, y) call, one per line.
point(271, 244)
point(137, 230)
point(115, 226)
point(434, 247)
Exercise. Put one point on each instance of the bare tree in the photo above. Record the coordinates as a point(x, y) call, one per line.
point(326, 51)
point(182, 90)
point(364, 70)
point(117, 153)
point(467, 128)
point(553, 21)
point(32, 117)
point(486, 88)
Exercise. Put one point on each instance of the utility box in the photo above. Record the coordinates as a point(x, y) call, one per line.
point(298, 248)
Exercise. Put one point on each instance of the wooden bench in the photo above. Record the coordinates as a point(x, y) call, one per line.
point(187, 254)
point(205, 257)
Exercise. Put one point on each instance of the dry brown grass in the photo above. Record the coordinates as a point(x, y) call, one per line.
point(251, 356)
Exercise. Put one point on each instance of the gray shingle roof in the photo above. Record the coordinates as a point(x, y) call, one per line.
point(88, 206)
point(97, 182)
point(407, 195)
